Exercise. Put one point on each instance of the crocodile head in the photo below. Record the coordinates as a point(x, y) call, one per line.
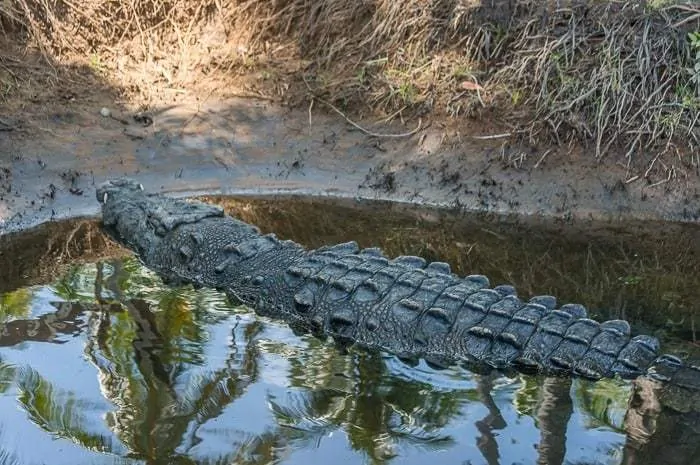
point(140, 219)
point(116, 187)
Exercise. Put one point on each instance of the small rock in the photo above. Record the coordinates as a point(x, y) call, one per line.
point(105, 112)
point(144, 119)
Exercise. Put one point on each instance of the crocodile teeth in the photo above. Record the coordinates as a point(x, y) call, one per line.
point(105, 196)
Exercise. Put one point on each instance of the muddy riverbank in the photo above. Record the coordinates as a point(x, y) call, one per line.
point(248, 146)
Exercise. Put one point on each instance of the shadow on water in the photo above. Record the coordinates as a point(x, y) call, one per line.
point(141, 373)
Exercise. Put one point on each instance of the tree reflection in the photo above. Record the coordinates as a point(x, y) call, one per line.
point(7, 376)
point(144, 359)
point(149, 346)
point(58, 413)
point(492, 422)
point(7, 457)
point(553, 415)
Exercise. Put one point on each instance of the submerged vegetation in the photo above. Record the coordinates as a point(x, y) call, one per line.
point(622, 75)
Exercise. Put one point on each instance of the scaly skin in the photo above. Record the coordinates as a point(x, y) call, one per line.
point(404, 306)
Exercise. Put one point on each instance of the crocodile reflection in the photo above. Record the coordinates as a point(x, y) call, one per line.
point(659, 433)
point(151, 365)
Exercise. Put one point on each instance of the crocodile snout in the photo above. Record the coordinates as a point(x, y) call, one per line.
point(113, 186)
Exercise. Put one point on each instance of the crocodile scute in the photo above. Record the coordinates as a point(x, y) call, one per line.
point(405, 306)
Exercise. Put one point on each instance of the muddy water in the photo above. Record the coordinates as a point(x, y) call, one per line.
point(101, 363)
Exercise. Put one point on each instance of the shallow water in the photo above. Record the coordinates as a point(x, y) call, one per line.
point(101, 363)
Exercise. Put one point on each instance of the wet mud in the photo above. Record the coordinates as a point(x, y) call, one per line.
point(245, 146)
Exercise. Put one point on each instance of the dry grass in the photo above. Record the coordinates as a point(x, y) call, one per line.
point(610, 73)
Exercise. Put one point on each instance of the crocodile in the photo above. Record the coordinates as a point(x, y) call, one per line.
point(404, 306)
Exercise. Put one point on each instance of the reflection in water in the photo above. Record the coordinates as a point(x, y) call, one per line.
point(553, 416)
point(142, 373)
point(189, 381)
point(158, 414)
point(39, 255)
point(47, 328)
point(493, 421)
point(659, 434)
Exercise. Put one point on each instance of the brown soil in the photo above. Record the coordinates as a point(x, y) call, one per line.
point(186, 116)
point(253, 146)
point(619, 76)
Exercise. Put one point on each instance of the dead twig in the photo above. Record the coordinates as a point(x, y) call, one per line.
point(367, 131)
point(493, 136)
point(544, 155)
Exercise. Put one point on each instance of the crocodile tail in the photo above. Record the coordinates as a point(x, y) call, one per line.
point(610, 352)
point(674, 371)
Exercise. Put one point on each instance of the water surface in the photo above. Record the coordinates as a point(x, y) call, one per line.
point(101, 363)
